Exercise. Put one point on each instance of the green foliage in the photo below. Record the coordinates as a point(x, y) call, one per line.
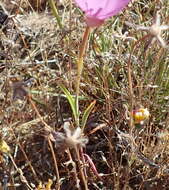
point(86, 114)
point(71, 101)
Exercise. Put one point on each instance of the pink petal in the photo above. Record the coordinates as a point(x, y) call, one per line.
point(101, 9)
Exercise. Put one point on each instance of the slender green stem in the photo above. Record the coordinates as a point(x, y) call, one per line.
point(55, 13)
point(82, 50)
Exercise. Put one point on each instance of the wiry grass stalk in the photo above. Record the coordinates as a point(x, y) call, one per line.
point(56, 165)
point(130, 93)
point(25, 155)
point(55, 13)
point(20, 172)
point(47, 127)
point(130, 83)
point(81, 169)
point(82, 50)
point(74, 168)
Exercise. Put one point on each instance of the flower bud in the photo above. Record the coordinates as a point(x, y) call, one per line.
point(140, 115)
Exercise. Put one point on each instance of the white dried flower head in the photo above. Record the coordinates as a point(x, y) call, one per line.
point(74, 138)
point(155, 30)
point(69, 139)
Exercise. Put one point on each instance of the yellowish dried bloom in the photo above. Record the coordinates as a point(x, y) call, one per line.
point(140, 115)
point(4, 148)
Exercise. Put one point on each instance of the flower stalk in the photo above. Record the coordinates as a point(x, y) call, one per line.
point(82, 50)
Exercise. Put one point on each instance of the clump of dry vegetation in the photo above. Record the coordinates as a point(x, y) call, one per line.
point(44, 144)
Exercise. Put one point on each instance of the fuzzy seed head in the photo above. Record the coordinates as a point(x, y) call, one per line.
point(74, 138)
point(70, 138)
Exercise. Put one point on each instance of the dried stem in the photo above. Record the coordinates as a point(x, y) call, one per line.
point(47, 127)
point(74, 168)
point(49, 142)
point(22, 177)
point(81, 169)
point(25, 155)
point(56, 165)
point(131, 94)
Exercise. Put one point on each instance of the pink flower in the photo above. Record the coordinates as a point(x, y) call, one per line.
point(97, 11)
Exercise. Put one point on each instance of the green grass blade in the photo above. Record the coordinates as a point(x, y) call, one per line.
point(55, 13)
point(71, 101)
point(86, 114)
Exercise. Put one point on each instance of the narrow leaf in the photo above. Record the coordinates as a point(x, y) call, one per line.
point(86, 114)
point(71, 101)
